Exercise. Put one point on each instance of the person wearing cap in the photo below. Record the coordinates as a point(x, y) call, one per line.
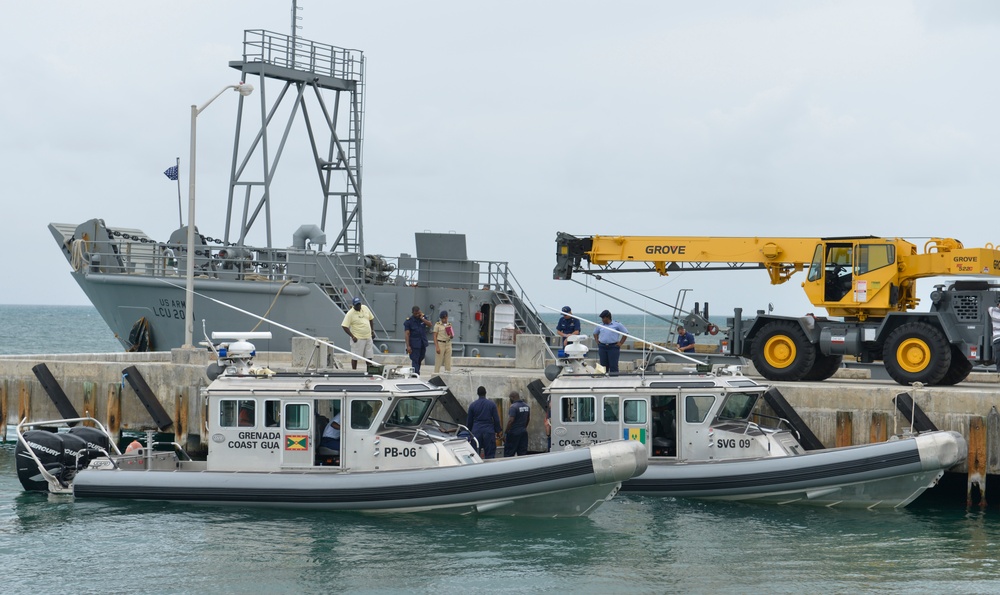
point(516, 440)
point(567, 325)
point(484, 422)
point(610, 337)
point(443, 334)
point(359, 324)
point(415, 336)
point(685, 341)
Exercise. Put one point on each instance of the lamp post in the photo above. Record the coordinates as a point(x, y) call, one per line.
point(245, 90)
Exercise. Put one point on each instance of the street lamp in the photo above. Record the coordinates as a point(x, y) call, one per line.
point(245, 90)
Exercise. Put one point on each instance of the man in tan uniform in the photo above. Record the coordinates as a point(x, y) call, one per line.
point(443, 334)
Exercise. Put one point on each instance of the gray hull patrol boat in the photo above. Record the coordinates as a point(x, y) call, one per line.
point(708, 438)
point(266, 448)
point(308, 278)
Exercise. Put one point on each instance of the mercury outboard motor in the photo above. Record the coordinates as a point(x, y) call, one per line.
point(48, 447)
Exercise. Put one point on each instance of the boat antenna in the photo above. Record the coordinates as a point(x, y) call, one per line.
point(277, 324)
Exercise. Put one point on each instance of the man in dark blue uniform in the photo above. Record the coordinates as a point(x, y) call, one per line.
point(567, 325)
point(484, 422)
point(516, 441)
point(416, 337)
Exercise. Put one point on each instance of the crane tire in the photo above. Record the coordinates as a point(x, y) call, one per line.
point(917, 352)
point(782, 351)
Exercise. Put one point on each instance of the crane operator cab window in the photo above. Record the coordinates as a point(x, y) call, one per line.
point(839, 271)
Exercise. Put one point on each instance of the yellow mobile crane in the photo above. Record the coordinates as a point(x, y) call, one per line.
point(868, 282)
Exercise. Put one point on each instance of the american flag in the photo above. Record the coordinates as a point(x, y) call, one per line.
point(171, 172)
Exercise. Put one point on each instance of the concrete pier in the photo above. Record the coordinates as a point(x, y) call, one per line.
point(847, 409)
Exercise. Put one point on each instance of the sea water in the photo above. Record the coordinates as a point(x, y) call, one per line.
point(632, 544)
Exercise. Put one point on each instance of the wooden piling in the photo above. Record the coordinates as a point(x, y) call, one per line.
point(113, 422)
point(993, 442)
point(89, 402)
point(181, 418)
point(845, 428)
point(879, 431)
point(976, 461)
point(23, 400)
point(3, 410)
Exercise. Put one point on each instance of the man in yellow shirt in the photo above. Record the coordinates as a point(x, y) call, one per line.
point(359, 324)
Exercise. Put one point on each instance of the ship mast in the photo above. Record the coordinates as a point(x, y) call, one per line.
point(321, 86)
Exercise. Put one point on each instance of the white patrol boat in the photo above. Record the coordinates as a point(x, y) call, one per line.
point(707, 438)
point(264, 434)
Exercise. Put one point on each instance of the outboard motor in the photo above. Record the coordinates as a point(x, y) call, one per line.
point(95, 439)
point(48, 447)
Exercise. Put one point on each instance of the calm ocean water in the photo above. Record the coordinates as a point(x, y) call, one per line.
point(632, 544)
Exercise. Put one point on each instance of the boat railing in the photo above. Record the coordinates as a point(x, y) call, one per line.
point(295, 52)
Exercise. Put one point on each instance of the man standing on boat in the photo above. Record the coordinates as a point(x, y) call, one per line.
point(359, 324)
point(567, 325)
point(484, 422)
point(610, 337)
point(415, 335)
point(516, 440)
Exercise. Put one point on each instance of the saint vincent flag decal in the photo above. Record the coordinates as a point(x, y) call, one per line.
point(635, 434)
point(297, 442)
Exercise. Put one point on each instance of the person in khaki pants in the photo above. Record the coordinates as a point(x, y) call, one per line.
point(443, 334)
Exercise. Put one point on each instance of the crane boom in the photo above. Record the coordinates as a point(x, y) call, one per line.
point(851, 276)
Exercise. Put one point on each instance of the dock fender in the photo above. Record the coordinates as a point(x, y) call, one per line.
point(941, 450)
point(618, 460)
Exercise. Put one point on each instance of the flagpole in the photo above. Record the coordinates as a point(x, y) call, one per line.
point(180, 217)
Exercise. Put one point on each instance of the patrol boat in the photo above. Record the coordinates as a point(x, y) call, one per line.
point(264, 434)
point(708, 438)
point(305, 277)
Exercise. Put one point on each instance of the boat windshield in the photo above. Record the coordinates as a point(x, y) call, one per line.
point(410, 411)
point(738, 406)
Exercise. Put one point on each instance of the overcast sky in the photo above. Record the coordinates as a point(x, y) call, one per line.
point(510, 121)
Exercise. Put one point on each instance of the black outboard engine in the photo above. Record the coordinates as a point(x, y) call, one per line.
point(48, 447)
point(96, 439)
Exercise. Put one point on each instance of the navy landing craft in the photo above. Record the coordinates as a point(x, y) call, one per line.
point(307, 279)
point(707, 438)
point(265, 432)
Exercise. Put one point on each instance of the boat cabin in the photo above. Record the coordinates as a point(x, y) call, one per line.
point(276, 423)
point(676, 416)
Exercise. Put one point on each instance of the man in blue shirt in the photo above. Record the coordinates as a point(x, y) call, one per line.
point(610, 337)
point(516, 441)
point(685, 341)
point(567, 325)
point(415, 335)
point(484, 422)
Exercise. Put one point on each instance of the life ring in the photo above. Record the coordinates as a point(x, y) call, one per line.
point(713, 330)
point(133, 446)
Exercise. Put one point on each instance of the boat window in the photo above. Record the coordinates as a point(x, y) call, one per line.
point(413, 387)
point(577, 409)
point(682, 384)
point(611, 408)
point(635, 411)
point(697, 408)
point(354, 388)
point(409, 411)
point(237, 413)
point(297, 417)
point(738, 406)
point(272, 414)
point(363, 413)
